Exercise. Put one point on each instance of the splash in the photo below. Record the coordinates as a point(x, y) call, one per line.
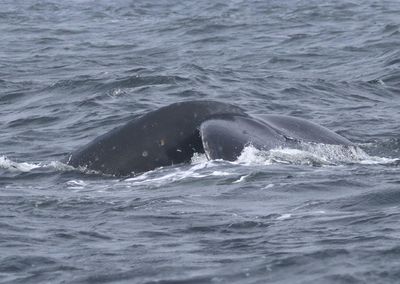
point(199, 158)
point(7, 164)
point(310, 154)
point(199, 168)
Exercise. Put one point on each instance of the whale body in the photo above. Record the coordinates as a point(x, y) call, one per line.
point(172, 134)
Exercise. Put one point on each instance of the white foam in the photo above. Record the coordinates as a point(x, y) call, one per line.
point(287, 216)
point(242, 178)
point(199, 159)
point(13, 166)
point(253, 156)
point(284, 217)
point(175, 201)
point(310, 154)
point(7, 164)
point(200, 167)
point(163, 176)
point(57, 165)
point(76, 184)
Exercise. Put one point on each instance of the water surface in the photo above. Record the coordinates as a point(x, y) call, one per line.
point(72, 70)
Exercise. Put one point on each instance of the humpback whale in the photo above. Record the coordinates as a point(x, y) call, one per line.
point(172, 134)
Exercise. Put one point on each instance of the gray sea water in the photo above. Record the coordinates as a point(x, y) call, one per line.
point(72, 70)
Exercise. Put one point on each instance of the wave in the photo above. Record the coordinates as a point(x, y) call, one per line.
point(87, 83)
point(200, 168)
point(308, 154)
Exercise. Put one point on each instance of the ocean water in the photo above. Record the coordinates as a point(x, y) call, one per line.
point(73, 70)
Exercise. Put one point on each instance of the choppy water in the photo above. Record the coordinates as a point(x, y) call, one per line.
point(72, 70)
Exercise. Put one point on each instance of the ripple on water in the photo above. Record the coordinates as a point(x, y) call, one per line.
point(317, 214)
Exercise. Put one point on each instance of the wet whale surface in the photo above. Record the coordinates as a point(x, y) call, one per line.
point(225, 138)
point(174, 133)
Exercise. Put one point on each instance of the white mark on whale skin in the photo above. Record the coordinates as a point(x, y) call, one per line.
point(145, 154)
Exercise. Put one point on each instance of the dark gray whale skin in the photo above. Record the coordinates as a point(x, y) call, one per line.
point(172, 134)
point(225, 137)
point(166, 136)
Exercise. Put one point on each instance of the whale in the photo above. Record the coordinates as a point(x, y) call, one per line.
point(172, 134)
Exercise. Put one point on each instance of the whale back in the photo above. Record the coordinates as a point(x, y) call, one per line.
point(303, 130)
point(166, 136)
point(225, 137)
point(172, 134)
